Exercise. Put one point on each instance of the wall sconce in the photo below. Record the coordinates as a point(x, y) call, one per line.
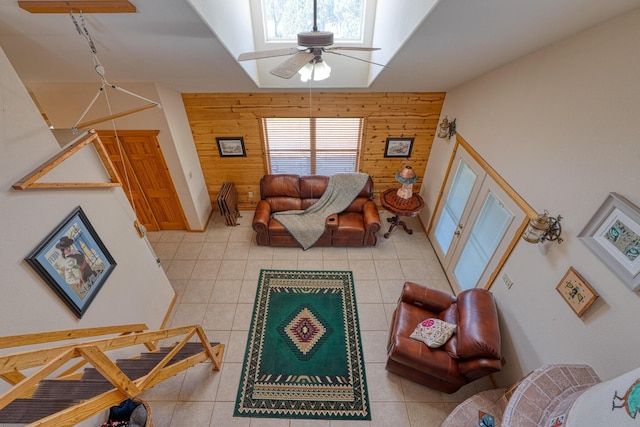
point(447, 129)
point(543, 227)
point(407, 177)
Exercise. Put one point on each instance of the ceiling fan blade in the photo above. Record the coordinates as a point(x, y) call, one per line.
point(359, 59)
point(290, 67)
point(364, 49)
point(268, 53)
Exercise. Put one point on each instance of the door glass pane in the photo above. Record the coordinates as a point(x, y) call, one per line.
point(459, 193)
point(493, 221)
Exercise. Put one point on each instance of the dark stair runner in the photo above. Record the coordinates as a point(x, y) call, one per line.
point(46, 399)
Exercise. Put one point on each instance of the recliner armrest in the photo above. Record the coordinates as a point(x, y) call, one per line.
point(478, 333)
point(430, 299)
point(371, 217)
point(260, 222)
point(262, 214)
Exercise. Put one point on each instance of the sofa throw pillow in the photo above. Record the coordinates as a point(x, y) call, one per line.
point(433, 332)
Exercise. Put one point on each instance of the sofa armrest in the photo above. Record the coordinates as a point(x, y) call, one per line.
point(371, 216)
point(430, 299)
point(261, 222)
point(332, 222)
point(372, 225)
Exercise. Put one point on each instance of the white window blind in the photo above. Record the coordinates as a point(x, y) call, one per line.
point(315, 146)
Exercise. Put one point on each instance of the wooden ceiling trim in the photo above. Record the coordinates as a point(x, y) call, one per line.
point(84, 6)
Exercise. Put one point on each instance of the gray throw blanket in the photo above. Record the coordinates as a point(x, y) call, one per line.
point(307, 226)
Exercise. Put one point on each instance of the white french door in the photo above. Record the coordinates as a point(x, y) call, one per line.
point(460, 193)
point(474, 225)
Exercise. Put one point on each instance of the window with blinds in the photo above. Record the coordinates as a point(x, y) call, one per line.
point(312, 146)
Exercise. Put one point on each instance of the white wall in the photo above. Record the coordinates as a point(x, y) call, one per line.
point(64, 104)
point(138, 288)
point(561, 126)
point(193, 187)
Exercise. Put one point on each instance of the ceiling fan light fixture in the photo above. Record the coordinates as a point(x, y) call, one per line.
point(321, 70)
point(306, 72)
point(316, 70)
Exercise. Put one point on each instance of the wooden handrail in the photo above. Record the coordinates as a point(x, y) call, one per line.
point(33, 358)
point(52, 359)
point(53, 336)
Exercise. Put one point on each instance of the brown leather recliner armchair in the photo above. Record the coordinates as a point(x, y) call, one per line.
point(471, 353)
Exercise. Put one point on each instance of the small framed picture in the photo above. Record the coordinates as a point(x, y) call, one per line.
point(73, 261)
point(576, 292)
point(398, 147)
point(231, 147)
point(613, 235)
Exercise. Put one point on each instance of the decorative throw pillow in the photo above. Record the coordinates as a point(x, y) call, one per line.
point(433, 332)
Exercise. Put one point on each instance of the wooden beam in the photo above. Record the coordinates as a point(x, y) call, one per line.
point(85, 6)
point(29, 181)
point(115, 116)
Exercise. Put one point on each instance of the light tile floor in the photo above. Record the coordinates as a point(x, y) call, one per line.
point(215, 275)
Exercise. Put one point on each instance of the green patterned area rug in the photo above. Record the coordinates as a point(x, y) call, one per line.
point(304, 354)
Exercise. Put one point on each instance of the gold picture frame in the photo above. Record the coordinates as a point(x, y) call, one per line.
point(576, 292)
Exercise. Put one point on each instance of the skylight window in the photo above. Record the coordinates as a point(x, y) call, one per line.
point(284, 19)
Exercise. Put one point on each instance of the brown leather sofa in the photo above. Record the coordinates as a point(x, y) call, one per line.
point(357, 225)
point(471, 353)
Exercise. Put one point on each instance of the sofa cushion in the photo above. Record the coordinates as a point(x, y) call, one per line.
point(351, 224)
point(357, 205)
point(283, 185)
point(279, 204)
point(276, 229)
point(312, 187)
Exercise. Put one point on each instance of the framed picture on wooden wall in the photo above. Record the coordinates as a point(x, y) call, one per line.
point(231, 147)
point(73, 261)
point(613, 235)
point(398, 147)
point(576, 292)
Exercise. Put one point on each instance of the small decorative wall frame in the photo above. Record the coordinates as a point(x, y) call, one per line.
point(231, 147)
point(613, 235)
point(73, 261)
point(398, 147)
point(576, 292)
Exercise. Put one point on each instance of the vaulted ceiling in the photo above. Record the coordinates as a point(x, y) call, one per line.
point(192, 45)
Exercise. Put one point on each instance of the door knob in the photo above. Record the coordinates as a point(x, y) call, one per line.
point(457, 233)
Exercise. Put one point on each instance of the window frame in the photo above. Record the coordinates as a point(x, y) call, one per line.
point(313, 150)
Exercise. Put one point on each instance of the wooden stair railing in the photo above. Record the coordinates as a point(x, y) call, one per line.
point(105, 383)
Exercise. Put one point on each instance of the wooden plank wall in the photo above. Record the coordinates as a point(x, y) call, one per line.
point(399, 115)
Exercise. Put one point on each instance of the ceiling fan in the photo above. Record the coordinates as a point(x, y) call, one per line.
point(307, 57)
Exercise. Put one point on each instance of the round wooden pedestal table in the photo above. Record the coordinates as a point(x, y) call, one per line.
point(400, 207)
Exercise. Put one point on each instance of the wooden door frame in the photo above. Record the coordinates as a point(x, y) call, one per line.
point(150, 133)
point(529, 212)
